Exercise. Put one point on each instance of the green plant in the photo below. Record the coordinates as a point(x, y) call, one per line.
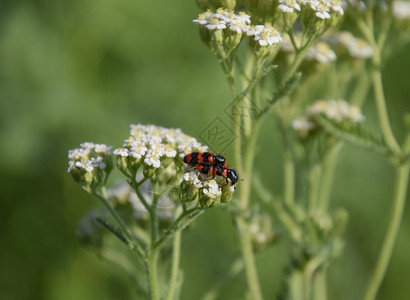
point(304, 51)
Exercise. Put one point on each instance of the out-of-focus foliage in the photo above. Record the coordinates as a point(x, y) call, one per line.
point(73, 71)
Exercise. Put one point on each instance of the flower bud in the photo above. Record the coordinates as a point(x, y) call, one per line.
point(122, 163)
point(148, 171)
point(203, 4)
point(190, 194)
point(207, 201)
point(227, 192)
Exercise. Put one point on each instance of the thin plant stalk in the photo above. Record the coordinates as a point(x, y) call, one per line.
point(175, 265)
point(244, 196)
point(289, 172)
point(327, 178)
point(249, 259)
point(151, 263)
point(402, 169)
point(319, 286)
point(392, 231)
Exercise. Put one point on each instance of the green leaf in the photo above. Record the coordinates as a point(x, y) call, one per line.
point(114, 230)
point(356, 135)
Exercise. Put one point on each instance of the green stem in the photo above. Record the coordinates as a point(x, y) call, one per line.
point(329, 166)
point(361, 89)
point(183, 221)
point(391, 234)
point(244, 192)
point(154, 221)
point(175, 266)
point(236, 111)
point(245, 239)
point(152, 273)
point(314, 176)
point(319, 287)
point(300, 55)
point(381, 109)
point(134, 246)
point(249, 259)
point(376, 76)
point(289, 173)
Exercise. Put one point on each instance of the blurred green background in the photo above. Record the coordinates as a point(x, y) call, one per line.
point(75, 71)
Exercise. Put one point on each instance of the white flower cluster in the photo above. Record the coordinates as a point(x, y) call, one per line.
point(336, 110)
point(261, 231)
point(401, 10)
point(209, 187)
point(222, 19)
point(321, 8)
point(321, 52)
point(289, 6)
point(239, 23)
point(328, 48)
point(355, 47)
point(265, 35)
point(88, 157)
point(152, 143)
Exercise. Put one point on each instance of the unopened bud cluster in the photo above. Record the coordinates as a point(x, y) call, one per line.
point(338, 111)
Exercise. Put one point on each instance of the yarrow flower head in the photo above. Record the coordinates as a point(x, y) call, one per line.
point(321, 52)
point(263, 39)
point(339, 111)
point(401, 10)
point(346, 44)
point(154, 147)
point(401, 16)
point(264, 35)
point(222, 30)
point(210, 190)
point(319, 14)
point(90, 164)
point(289, 6)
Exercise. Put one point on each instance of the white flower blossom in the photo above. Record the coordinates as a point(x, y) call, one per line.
point(215, 24)
point(223, 19)
point(121, 152)
point(401, 10)
point(355, 47)
point(289, 6)
point(265, 35)
point(88, 158)
point(321, 8)
point(321, 52)
point(336, 110)
point(212, 190)
point(337, 6)
point(151, 144)
point(302, 124)
point(193, 177)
